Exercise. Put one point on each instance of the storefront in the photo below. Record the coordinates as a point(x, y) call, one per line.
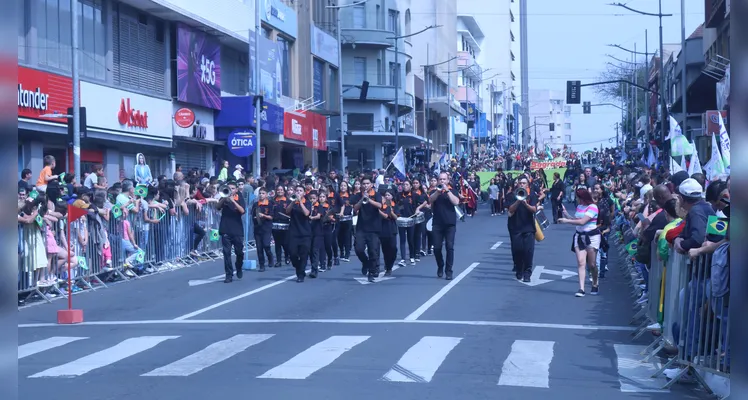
point(194, 137)
point(42, 93)
point(306, 134)
point(237, 115)
point(122, 124)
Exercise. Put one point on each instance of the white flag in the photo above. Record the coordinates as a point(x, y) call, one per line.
point(724, 141)
point(715, 168)
point(695, 167)
point(399, 161)
point(675, 130)
point(683, 164)
point(674, 167)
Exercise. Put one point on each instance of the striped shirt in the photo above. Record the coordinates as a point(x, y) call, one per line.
point(587, 211)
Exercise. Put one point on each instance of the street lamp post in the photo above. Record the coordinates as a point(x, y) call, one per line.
point(343, 125)
point(76, 91)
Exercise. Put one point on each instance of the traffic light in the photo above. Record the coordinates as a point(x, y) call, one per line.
point(83, 125)
point(586, 107)
point(573, 92)
point(552, 127)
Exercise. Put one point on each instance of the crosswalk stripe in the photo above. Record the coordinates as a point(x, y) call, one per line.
point(29, 349)
point(314, 358)
point(211, 355)
point(124, 349)
point(420, 362)
point(634, 375)
point(528, 364)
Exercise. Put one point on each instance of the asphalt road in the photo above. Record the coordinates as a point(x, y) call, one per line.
point(481, 335)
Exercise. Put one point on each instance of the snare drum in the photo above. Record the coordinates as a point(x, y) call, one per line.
point(430, 224)
point(403, 222)
point(280, 227)
point(542, 219)
point(346, 218)
point(419, 218)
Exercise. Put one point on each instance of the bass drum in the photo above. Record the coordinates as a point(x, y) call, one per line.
point(429, 224)
point(355, 220)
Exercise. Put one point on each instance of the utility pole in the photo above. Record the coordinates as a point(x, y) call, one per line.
point(427, 80)
point(343, 126)
point(535, 124)
point(258, 96)
point(684, 74)
point(76, 91)
point(617, 143)
point(452, 146)
point(524, 67)
point(646, 74)
point(397, 85)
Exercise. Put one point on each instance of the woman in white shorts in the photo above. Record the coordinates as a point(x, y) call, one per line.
point(586, 240)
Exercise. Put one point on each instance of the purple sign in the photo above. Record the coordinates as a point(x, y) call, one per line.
point(198, 68)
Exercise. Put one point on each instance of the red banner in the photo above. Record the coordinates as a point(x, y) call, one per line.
point(307, 127)
point(40, 93)
point(536, 165)
point(712, 122)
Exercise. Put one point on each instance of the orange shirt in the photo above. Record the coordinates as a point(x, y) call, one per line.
point(46, 171)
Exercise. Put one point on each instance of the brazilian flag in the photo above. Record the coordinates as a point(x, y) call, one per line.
point(631, 248)
point(141, 190)
point(116, 212)
point(716, 226)
point(214, 235)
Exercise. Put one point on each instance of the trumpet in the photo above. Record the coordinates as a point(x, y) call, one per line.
point(520, 194)
point(441, 188)
point(365, 200)
point(224, 191)
point(293, 198)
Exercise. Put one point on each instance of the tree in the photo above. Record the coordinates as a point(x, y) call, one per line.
point(617, 92)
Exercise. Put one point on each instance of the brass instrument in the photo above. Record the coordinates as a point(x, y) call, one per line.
point(441, 187)
point(328, 216)
point(293, 198)
point(520, 194)
point(257, 213)
point(224, 191)
point(365, 200)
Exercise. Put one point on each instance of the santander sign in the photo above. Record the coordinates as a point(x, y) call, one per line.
point(131, 117)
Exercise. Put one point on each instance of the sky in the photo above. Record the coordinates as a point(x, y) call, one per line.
point(567, 40)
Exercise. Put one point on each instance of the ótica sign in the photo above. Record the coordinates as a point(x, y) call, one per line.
point(242, 143)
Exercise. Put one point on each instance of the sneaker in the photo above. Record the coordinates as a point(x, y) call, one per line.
point(418, 259)
point(412, 261)
point(595, 290)
point(401, 263)
point(580, 293)
point(654, 327)
point(322, 268)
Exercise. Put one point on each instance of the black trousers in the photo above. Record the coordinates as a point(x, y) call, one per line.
point(281, 245)
point(556, 207)
point(367, 250)
point(322, 248)
point(237, 242)
point(262, 241)
point(389, 250)
point(523, 250)
point(444, 235)
point(406, 234)
point(198, 235)
point(298, 248)
point(495, 206)
point(418, 231)
point(334, 239)
point(344, 234)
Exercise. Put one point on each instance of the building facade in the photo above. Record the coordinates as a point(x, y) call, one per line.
point(551, 120)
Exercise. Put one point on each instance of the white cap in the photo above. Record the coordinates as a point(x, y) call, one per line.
point(239, 166)
point(690, 188)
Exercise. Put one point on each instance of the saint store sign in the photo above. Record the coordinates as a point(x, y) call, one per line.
point(131, 117)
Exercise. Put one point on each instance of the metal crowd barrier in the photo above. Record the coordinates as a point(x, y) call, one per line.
point(688, 309)
point(101, 254)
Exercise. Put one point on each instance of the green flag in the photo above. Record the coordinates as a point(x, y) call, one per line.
point(116, 212)
point(716, 226)
point(214, 236)
point(631, 248)
point(141, 190)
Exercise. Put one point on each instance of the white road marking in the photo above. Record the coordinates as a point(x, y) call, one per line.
point(528, 365)
point(496, 245)
point(29, 349)
point(314, 358)
point(564, 274)
point(536, 280)
point(507, 324)
point(634, 375)
point(209, 356)
point(430, 302)
point(235, 298)
point(198, 282)
point(380, 278)
point(420, 362)
point(124, 349)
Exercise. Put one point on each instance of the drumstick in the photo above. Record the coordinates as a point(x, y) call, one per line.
point(283, 215)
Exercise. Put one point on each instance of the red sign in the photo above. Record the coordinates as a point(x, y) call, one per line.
point(536, 165)
point(307, 127)
point(43, 93)
point(131, 117)
point(184, 117)
point(712, 122)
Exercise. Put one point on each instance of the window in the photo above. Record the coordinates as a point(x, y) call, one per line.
point(395, 75)
point(379, 16)
point(359, 17)
point(567, 138)
point(567, 126)
point(234, 71)
point(332, 82)
point(53, 35)
point(267, 33)
point(138, 51)
point(393, 23)
point(285, 60)
point(380, 75)
point(359, 69)
point(21, 21)
point(567, 111)
point(360, 122)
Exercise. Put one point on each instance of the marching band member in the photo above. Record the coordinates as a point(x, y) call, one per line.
point(419, 232)
point(407, 206)
point(263, 215)
point(443, 201)
point(231, 230)
point(300, 231)
point(323, 225)
point(345, 226)
point(368, 226)
point(280, 236)
point(521, 226)
point(334, 201)
point(388, 234)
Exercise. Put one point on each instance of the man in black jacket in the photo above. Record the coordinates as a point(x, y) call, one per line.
point(231, 230)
